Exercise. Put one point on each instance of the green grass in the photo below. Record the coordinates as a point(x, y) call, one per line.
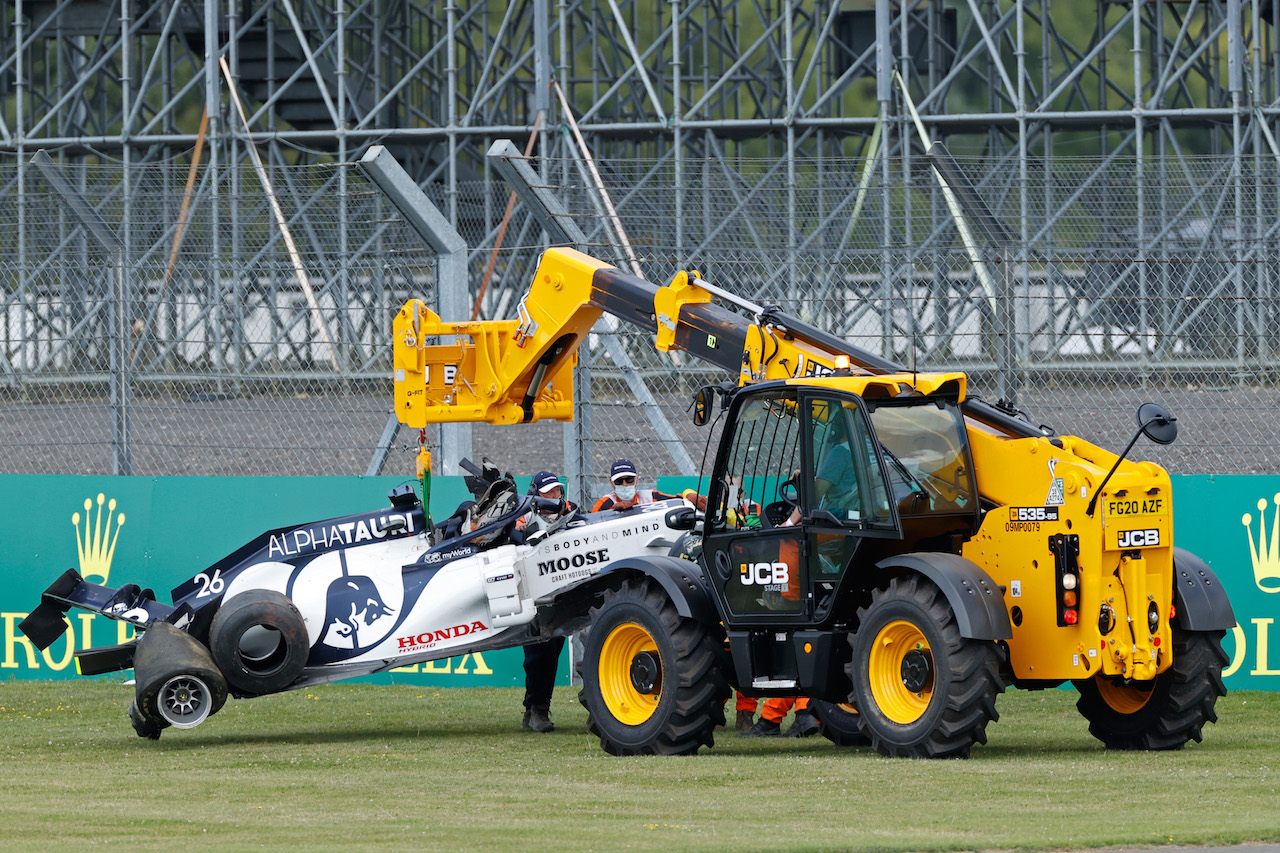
point(360, 767)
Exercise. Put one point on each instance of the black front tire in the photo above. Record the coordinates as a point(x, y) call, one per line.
point(839, 723)
point(185, 700)
point(1166, 712)
point(921, 689)
point(651, 679)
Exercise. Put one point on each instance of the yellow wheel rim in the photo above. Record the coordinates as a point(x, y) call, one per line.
point(901, 672)
point(627, 662)
point(1124, 699)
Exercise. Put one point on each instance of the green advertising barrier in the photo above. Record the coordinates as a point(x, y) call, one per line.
point(1231, 523)
point(158, 532)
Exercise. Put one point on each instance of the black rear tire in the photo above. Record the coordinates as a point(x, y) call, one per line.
point(176, 682)
point(921, 689)
point(839, 723)
point(1167, 711)
point(259, 641)
point(651, 679)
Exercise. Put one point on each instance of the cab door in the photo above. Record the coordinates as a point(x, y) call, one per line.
point(755, 559)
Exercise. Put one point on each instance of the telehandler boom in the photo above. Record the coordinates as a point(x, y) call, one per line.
point(875, 537)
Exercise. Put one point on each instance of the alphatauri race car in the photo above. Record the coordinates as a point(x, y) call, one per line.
point(352, 596)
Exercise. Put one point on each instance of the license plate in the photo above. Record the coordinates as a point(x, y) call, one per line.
point(1127, 507)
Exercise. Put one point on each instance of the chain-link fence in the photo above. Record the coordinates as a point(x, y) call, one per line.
point(207, 341)
point(1120, 287)
point(212, 340)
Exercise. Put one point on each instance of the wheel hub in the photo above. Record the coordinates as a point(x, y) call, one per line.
point(1127, 696)
point(646, 673)
point(916, 670)
point(630, 673)
point(184, 701)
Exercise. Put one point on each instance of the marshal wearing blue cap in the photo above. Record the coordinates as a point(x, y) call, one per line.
point(625, 495)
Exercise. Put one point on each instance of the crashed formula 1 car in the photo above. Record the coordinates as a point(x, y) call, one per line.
point(353, 596)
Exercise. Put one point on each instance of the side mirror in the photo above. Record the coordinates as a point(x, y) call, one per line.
point(681, 518)
point(1153, 422)
point(703, 403)
point(403, 496)
point(1157, 424)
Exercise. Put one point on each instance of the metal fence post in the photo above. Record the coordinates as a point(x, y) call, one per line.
point(451, 281)
point(121, 453)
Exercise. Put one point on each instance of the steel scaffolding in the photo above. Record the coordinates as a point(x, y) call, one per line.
point(1120, 144)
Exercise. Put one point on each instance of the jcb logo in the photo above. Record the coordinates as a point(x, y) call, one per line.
point(812, 368)
point(763, 574)
point(1138, 538)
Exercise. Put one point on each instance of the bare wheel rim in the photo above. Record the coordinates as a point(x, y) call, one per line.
point(901, 671)
point(630, 674)
point(184, 701)
point(1125, 699)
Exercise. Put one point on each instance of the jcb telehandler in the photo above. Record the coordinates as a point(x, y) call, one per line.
point(875, 538)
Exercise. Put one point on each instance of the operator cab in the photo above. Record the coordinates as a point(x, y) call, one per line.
point(813, 483)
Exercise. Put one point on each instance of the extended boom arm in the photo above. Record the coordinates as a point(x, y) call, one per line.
point(518, 371)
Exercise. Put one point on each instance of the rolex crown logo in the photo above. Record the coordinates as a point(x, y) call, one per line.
point(96, 542)
point(1265, 552)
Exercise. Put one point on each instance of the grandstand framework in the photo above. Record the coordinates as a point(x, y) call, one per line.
point(1129, 150)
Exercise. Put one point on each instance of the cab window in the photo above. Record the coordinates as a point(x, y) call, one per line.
point(848, 481)
point(761, 461)
point(926, 451)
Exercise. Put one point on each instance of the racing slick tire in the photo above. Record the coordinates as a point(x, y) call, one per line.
point(1167, 711)
point(176, 682)
point(838, 723)
point(922, 690)
point(259, 641)
point(651, 679)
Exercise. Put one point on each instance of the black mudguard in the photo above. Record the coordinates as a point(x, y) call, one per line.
point(565, 611)
point(976, 599)
point(1200, 598)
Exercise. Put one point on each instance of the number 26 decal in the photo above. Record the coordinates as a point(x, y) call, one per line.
point(210, 585)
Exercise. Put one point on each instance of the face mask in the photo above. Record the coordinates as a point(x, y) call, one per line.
point(626, 493)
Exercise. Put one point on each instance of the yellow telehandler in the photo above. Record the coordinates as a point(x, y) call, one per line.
point(875, 538)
